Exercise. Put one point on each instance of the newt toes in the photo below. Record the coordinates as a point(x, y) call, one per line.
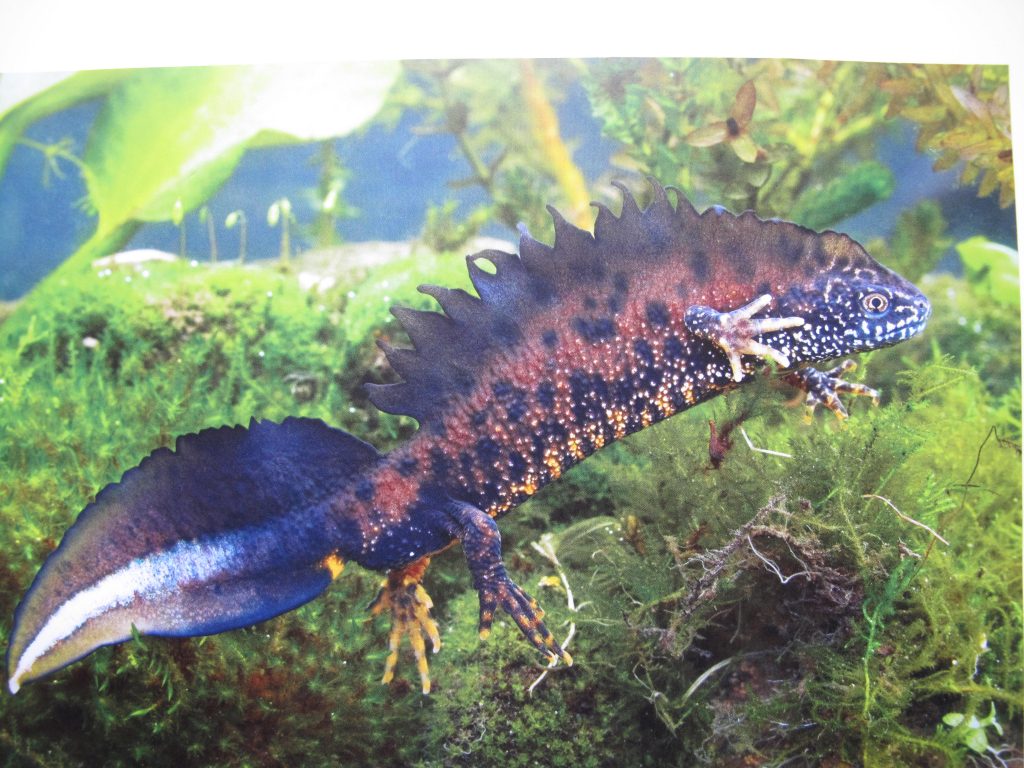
point(823, 388)
point(736, 333)
point(403, 596)
point(564, 349)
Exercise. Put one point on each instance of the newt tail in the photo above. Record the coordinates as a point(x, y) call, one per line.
point(565, 349)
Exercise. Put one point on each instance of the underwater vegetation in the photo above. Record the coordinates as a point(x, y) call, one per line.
point(851, 597)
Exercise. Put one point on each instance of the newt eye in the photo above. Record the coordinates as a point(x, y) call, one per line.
point(875, 303)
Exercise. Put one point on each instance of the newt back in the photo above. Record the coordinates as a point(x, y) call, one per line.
point(572, 346)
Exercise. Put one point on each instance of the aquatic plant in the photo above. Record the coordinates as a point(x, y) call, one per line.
point(207, 218)
point(327, 199)
point(237, 218)
point(785, 137)
point(443, 232)
point(964, 115)
point(280, 212)
point(760, 134)
point(48, 93)
point(505, 125)
point(178, 220)
point(149, 153)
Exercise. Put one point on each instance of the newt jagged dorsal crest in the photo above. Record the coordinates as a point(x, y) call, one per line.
point(715, 258)
point(565, 349)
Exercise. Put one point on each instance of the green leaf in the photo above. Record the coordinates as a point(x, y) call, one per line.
point(25, 98)
point(745, 148)
point(746, 100)
point(953, 719)
point(926, 114)
point(976, 740)
point(992, 267)
point(144, 710)
point(177, 134)
point(708, 135)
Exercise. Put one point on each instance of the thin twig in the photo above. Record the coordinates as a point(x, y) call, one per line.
point(910, 520)
point(772, 566)
point(547, 549)
point(704, 676)
point(751, 446)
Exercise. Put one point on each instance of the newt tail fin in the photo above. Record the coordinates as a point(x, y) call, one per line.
point(232, 527)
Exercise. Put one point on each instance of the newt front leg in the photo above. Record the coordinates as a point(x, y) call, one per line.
point(823, 388)
point(734, 332)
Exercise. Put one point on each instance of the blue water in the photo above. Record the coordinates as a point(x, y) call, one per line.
point(42, 223)
point(395, 174)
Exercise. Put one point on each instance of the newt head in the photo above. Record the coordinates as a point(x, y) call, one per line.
point(860, 307)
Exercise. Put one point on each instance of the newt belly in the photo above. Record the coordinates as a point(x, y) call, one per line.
point(565, 349)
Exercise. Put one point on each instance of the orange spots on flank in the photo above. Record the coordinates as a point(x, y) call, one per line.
point(688, 394)
point(575, 446)
point(618, 417)
point(595, 434)
point(500, 508)
point(552, 462)
point(538, 407)
point(663, 401)
point(334, 564)
point(527, 488)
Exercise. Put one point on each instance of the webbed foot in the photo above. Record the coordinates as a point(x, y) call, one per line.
point(734, 332)
point(404, 597)
point(481, 543)
point(823, 388)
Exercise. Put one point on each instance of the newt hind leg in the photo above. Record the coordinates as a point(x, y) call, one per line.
point(403, 596)
point(481, 543)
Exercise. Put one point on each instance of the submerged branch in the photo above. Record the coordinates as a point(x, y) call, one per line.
point(909, 519)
